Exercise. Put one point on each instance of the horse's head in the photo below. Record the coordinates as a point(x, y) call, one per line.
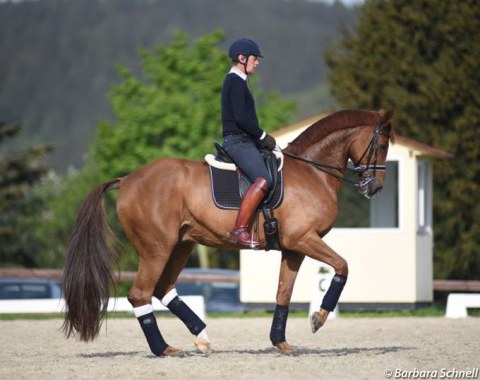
point(369, 154)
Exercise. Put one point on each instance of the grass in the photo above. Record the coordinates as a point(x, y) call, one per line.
point(30, 316)
point(433, 311)
point(424, 312)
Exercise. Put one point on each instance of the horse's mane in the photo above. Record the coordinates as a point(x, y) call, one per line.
point(329, 124)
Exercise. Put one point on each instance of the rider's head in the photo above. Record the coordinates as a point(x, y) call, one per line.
point(244, 53)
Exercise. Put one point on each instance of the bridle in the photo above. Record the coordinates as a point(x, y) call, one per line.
point(367, 171)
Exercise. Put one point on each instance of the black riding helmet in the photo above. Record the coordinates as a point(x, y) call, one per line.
point(243, 46)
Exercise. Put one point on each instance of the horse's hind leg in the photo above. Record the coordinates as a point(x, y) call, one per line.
point(151, 265)
point(289, 267)
point(166, 292)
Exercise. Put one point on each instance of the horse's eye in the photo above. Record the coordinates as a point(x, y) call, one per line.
point(383, 148)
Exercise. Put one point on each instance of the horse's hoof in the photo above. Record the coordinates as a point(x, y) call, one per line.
point(203, 345)
point(285, 348)
point(318, 319)
point(172, 351)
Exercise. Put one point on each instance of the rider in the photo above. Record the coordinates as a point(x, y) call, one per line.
point(242, 135)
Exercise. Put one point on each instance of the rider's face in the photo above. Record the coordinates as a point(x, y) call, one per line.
point(248, 64)
point(252, 64)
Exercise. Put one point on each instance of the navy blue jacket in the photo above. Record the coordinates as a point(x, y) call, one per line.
point(238, 108)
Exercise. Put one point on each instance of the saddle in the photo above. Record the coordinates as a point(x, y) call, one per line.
point(229, 185)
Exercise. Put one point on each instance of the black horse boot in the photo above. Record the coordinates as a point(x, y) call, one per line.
point(248, 206)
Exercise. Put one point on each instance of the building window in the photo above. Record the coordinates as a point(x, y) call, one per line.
point(381, 211)
point(424, 196)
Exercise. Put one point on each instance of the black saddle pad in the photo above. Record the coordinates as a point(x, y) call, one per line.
point(225, 190)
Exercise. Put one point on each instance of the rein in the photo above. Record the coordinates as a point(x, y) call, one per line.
point(370, 151)
point(323, 167)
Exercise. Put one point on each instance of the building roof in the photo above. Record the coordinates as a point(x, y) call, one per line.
point(422, 148)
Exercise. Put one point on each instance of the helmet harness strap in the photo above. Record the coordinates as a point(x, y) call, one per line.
point(245, 63)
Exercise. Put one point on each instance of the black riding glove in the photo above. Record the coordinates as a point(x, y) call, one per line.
point(269, 142)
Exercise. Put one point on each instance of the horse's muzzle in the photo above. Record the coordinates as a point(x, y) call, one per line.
point(369, 186)
point(374, 189)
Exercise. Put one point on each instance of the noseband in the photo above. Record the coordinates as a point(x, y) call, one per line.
point(369, 170)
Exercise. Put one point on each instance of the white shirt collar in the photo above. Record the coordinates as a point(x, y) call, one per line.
point(240, 73)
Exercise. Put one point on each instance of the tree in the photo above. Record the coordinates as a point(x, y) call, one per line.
point(60, 100)
point(62, 196)
point(173, 109)
point(421, 58)
point(20, 208)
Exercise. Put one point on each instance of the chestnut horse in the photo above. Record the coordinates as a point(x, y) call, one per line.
point(166, 207)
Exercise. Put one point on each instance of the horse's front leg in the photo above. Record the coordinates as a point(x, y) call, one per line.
point(314, 246)
point(289, 267)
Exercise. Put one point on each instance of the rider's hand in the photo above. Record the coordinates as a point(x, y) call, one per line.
point(269, 142)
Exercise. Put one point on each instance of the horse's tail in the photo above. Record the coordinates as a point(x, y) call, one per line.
point(90, 262)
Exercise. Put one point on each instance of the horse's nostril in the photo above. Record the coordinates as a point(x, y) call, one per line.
point(376, 190)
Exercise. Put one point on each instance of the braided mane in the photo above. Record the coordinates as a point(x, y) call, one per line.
point(332, 123)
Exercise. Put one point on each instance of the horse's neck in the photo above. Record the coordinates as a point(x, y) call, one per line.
point(331, 150)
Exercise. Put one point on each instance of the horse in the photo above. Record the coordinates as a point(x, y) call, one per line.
point(166, 207)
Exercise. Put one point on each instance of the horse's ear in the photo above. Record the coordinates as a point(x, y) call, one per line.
point(387, 116)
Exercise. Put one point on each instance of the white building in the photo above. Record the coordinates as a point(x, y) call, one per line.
point(390, 262)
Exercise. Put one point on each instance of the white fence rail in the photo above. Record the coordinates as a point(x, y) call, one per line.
point(196, 303)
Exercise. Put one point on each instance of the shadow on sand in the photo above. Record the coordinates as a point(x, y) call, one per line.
point(109, 354)
point(324, 353)
point(267, 351)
